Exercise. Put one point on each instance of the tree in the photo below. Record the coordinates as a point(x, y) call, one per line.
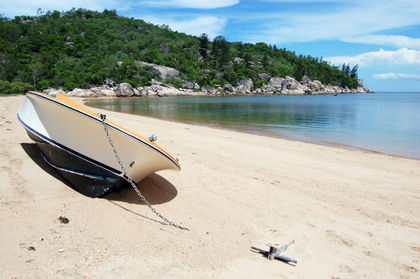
point(353, 73)
point(220, 51)
point(37, 69)
point(204, 46)
point(265, 61)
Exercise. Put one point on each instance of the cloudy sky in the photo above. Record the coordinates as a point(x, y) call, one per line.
point(381, 36)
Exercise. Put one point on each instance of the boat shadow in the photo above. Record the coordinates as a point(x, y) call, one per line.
point(35, 154)
point(154, 188)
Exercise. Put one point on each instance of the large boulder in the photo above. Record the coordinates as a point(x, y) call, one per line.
point(245, 86)
point(228, 87)
point(124, 90)
point(165, 72)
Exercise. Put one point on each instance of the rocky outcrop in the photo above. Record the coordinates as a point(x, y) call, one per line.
point(275, 85)
point(290, 86)
point(362, 88)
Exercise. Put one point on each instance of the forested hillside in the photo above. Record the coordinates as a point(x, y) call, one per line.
point(81, 48)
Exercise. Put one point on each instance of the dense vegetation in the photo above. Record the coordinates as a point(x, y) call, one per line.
point(80, 48)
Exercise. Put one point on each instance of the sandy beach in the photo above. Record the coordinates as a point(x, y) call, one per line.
point(352, 214)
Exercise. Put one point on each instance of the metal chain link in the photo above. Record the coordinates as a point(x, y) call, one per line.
point(143, 199)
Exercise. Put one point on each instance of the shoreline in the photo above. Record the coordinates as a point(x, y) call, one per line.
point(352, 214)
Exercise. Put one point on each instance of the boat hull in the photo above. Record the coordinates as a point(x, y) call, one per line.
point(72, 140)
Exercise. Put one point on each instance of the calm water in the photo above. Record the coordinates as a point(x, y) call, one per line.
point(382, 122)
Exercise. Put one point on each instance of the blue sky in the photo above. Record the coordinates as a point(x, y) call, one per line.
point(381, 36)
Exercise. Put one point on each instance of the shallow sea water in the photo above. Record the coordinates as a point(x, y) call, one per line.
point(379, 122)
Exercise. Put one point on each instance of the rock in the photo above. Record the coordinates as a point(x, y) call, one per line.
point(165, 72)
point(314, 86)
point(168, 91)
point(264, 76)
point(55, 91)
point(164, 49)
point(109, 82)
point(362, 89)
point(219, 76)
point(103, 91)
point(77, 92)
point(143, 92)
point(276, 82)
point(136, 92)
point(189, 84)
point(228, 87)
point(124, 90)
point(245, 86)
point(305, 80)
point(63, 219)
point(290, 86)
point(306, 89)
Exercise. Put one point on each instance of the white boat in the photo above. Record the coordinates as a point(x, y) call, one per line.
point(72, 139)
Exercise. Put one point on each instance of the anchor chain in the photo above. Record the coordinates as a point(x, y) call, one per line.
point(143, 199)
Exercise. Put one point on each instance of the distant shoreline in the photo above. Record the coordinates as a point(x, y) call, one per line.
point(274, 86)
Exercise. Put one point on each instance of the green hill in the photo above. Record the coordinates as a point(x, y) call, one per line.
point(81, 48)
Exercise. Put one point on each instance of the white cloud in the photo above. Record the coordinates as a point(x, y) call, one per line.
point(339, 20)
point(391, 40)
point(197, 4)
point(398, 76)
point(402, 56)
point(210, 25)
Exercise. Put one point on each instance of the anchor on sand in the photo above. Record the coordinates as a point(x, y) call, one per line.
point(275, 251)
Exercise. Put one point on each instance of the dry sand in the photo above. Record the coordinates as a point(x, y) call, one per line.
point(352, 214)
